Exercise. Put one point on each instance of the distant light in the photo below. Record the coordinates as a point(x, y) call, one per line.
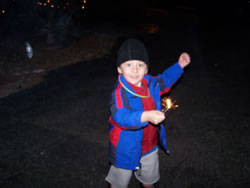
point(3, 11)
point(48, 3)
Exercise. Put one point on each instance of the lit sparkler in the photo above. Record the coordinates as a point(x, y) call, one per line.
point(167, 104)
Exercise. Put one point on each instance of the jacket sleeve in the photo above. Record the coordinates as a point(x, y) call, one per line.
point(122, 114)
point(168, 78)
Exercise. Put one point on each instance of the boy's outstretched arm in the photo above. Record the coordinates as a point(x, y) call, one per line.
point(169, 77)
point(184, 60)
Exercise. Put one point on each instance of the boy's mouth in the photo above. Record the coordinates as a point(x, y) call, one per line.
point(134, 77)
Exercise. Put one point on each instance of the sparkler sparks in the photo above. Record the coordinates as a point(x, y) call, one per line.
point(167, 104)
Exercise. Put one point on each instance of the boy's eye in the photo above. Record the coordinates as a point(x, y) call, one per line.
point(129, 65)
point(141, 65)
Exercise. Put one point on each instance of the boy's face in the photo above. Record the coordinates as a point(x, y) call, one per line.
point(133, 71)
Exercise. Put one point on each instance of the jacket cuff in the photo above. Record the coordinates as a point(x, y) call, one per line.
point(138, 121)
point(178, 69)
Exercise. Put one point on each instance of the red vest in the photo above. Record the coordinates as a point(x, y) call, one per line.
point(150, 136)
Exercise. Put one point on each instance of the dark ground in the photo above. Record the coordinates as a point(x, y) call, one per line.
point(55, 134)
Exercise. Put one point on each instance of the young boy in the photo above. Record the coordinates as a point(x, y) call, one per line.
point(136, 119)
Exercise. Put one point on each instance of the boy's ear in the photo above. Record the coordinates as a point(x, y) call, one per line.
point(119, 70)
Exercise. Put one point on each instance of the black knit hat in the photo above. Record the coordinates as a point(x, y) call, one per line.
point(132, 49)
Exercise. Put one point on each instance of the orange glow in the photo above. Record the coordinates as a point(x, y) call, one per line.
point(44, 4)
point(167, 104)
point(3, 11)
point(83, 7)
point(152, 28)
point(52, 6)
point(39, 3)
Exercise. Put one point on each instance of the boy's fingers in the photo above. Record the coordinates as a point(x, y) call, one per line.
point(186, 57)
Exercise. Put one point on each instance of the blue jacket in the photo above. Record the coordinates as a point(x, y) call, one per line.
point(126, 128)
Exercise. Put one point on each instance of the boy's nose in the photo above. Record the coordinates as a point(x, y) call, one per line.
point(135, 69)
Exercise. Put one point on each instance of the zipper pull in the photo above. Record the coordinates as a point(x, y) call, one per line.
point(139, 170)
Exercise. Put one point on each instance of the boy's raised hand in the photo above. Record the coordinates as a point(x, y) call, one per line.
point(153, 116)
point(184, 59)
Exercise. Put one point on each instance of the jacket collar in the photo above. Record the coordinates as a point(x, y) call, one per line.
point(130, 89)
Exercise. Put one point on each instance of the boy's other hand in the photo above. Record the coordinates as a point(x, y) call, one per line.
point(184, 59)
point(153, 116)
